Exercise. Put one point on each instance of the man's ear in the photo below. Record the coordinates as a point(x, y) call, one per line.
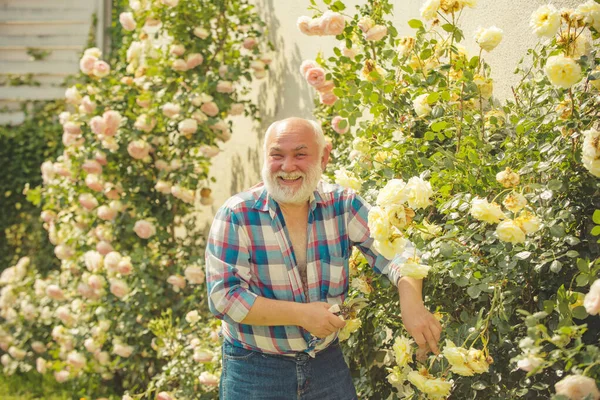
point(326, 153)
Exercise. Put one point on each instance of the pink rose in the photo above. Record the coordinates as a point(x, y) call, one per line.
point(112, 193)
point(326, 86)
point(72, 95)
point(96, 282)
point(201, 32)
point(144, 123)
point(209, 151)
point(94, 183)
point(144, 103)
point(119, 288)
point(72, 140)
point(138, 149)
point(100, 157)
point(88, 201)
point(187, 126)
point(164, 396)
point(103, 247)
point(72, 128)
point(225, 87)
point(127, 21)
point(55, 292)
point(177, 49)
point(332, 23)
point(40, 365)
point(249, 43)
point(112, 119)
point(163, 187)
point(257, 65)
point(61, 376)
point(303, 24)
point(202, 356)
point(125, 267)
point(220, 126)
point(101, 69)
point(194, 60)
point(106, 213)
point(48, 215)
point(267, 59)
point(349, 52)
point(87, 106)
point(194, 275)
point(177, 281)
point(335, 124)
point(112, 260)
point(365, 23)
point(86, 64)
point(314, 27)
point(144, 229)
point(171, 110)
point(170, 3)
point(315, 76)
point(377, 32)
point(592, 299)
point(306, 65)
point(183, 194)
point(210, 109)
point(578, 387)
point(223, 70)
point(206, 378)
point(92, 167)
point(328, 98)
point(179, 65)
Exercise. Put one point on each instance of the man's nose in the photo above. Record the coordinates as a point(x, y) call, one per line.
point(288, 164)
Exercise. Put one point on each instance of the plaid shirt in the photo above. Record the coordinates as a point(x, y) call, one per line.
point(249, 254)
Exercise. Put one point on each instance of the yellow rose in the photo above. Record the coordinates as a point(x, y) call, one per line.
point(406, 45)
point(564, 109)
point(477, 361)
point(489, 38)
point(392, 194)
point(508, 178)
point(400, 216)
point(545, 21)
point(389, 248)
point(486, 212)
point(457, 357)
point(562, 71)
point(429, 9)
point(360, 284)
point(433, 230)
point(413, 269)
point(485, 86)
point(379, 225)
point(347, 179)
point(509, 231)
point(403, 350)
point(418, 192)
point(528, 222)
point(438, 388)
point(515, 202)
point(352, 325)
point(417, 379)
point(421, 106)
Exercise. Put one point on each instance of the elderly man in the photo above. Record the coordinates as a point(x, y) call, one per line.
point(277, 259)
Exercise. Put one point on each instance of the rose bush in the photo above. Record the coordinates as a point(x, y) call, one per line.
point(119, 205)
point(508, 238)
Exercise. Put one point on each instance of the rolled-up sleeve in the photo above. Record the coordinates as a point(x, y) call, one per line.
point(359, 235)
point(228, 268)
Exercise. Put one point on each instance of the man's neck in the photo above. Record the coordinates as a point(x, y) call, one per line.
point(294, 208)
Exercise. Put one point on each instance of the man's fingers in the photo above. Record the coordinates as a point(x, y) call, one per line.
point(337, 322)
point(420, 340)
point(431, 341)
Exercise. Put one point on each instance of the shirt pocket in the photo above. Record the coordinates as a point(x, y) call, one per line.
point(335, 277)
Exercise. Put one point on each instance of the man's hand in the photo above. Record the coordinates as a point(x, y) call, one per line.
point(319, 321)
point(422, 326)
point(418, 321)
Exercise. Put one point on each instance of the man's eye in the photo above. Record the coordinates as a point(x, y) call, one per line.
point(300, 155)
point(276, 156)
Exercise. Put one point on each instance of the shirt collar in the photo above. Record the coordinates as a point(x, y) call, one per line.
point(265, 202)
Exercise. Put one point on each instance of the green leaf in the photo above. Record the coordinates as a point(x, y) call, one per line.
point(474, 291)
point(343, 124)
point(429, 135)
point(583, 265)
point(596, 230)
point(554, 184)
point(524, 255)
point(433, 97)
point(415, 23)
point(572, 253)
point(580, 313)
point(448, 27)
point(425, 54)
point(582, 280)
point(596, 217)
point(438, 126)
point(339, 6)
point(556, 266)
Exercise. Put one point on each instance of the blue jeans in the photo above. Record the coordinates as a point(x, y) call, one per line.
point(250, 375)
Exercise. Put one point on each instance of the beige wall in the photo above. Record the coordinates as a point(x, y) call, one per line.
point(284, 93)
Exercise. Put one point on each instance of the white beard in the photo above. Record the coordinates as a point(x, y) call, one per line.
point(287, 195)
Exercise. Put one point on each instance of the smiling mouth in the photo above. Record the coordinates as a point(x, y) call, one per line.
point(288, 180)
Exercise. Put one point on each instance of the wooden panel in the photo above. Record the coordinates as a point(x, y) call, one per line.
point(45, 42)
point(10, 106)
point(43, 14)
point(55, 55)
point(15, 118)
point(60, 28)
point(20, 93)
point(48, 4)
point(38, 67)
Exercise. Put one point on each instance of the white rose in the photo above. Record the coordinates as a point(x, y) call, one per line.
point(545, 21)
point(379, 224)
point(192, 317)
point(413, 269)
point(486, 212)
point(562, 71)
point(389, 248)
point(515, 202)
point(489, 38)
point(421, 106)
point(592, 299)
point(347, 179)
point(430, 9)
point(578, 387)
point(528, 222)
point(392, 194)
point(418, 193)
point(188, 126)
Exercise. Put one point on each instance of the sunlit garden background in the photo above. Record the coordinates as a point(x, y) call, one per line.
point(471, 126)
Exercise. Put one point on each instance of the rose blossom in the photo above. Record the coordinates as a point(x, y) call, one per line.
point(236, 109)
point(249, 43)
point(125, 267)
point(306, 65)
point(72, 140)
point(138, 149)
point(325, 87)
point(163, 187)
point(578, 387)
point(365, 23)
point(315, 76)
point(177, 281)
point(562, 71)
point(210, 109)
point(119, 288)
point(96, 282)
point(101, 69)
point(376, 33)
point(332, 23)
point(88, 201)
point(112, 119)
point(72, 95)
point(86, 64)
point(187, 126)
point(164, 396)
point(48, 215)
point(592, 299)
point(328, 98)
point(106, 213)
point(225, 87)
point(195, 275)
point(484, 211)
point(63, 252)
point(87, 106)
point(200, 32)
point(177, 49)
point(72, 128)
point(509, 231)
point(489, 38)
point(335, 124)
point(92, 167)
point(209, 151)
point(193, 60)
point(179, 65)
point(61, 376)
point(145, 123)
point(122, 350)
point(127, 21)
point(144, 229)
point(55, 292)
point(112, 260)
point(257, 65)
point(171, 110)
point(545, 21)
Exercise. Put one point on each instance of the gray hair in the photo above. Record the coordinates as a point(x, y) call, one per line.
point(316, 128)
